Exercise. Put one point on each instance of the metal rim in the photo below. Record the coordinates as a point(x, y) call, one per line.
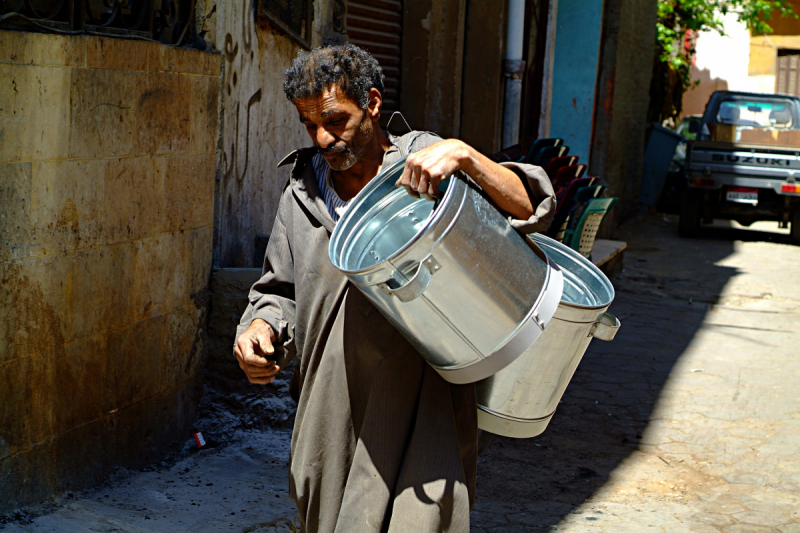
point(339, 240)
point(512, 418)
point(562, 248)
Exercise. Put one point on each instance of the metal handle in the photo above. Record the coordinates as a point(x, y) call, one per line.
point(417, 284)
point(605, 328)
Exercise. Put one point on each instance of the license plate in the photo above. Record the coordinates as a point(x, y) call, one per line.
point(742, 197)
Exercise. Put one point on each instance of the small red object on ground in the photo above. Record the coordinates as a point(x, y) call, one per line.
point(200, 440)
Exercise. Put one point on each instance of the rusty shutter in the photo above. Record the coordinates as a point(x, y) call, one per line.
point(788, 81)
point(376, 26)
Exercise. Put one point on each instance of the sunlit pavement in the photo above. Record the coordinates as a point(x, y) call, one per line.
point(690, 419)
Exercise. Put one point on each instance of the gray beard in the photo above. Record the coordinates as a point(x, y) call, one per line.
point(348, 161)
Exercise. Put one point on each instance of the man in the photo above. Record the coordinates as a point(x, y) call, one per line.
point(381, 442)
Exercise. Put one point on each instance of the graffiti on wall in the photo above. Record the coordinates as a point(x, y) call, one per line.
point(231, 52)
point(230, 167)
point(260, 126)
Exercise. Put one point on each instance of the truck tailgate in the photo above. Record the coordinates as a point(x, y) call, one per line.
point(743, 164)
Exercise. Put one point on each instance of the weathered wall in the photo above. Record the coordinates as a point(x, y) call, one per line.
point(626, 65)
point(107, 163)
point(764, 53)
point(739, 61)
point(721, 63)
point(231, 403)
point(260, 124)
point(482, 91)
point(432, 65)
point(536, 56)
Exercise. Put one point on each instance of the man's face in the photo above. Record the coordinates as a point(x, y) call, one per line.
point(338, 126)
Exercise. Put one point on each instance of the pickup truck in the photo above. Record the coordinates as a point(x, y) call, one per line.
point(744, 164)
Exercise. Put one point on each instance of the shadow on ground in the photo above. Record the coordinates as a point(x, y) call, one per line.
point(663, 294)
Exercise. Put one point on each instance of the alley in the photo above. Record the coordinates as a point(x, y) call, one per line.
point(688, 421)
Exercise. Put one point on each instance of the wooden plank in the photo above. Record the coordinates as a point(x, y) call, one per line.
point(390, 72)
point(481, 116)
point(386, 5)
point(386, 60)
point(783, 74)
point(605, 251)
point(788, 78)
point(374, 14)
point(376, 26)
point(382, 49)
point(366, 24)
point(357, 34)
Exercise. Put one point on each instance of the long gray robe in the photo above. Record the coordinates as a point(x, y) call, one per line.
point(381, 442)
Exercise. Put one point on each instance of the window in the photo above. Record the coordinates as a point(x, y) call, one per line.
point(788, 79)
point(293, 17)
point(758, 114)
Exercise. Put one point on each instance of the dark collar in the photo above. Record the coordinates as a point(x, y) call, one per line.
point(301, 154)
point(304, 185)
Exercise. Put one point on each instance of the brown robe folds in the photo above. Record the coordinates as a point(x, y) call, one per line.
point(381, 442)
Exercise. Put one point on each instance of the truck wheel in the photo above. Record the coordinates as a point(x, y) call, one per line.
point(690, 211)
point(794, 225)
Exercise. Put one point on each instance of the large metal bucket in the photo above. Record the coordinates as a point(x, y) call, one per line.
point(520, 400)
point(457, 281)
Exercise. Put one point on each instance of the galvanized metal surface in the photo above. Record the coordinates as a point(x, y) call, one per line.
point(520, 400)
point(460, 284)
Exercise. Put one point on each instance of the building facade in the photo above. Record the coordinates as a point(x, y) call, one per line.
point(739, 61)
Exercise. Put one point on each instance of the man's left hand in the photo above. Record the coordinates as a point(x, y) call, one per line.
point(426, 169)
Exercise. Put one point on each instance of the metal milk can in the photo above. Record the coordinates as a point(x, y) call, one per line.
point(520, 400)
point(468, 292)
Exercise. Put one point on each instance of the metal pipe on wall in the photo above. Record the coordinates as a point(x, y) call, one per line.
point(513, 71)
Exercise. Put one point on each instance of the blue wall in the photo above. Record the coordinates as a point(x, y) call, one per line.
point(575, 63)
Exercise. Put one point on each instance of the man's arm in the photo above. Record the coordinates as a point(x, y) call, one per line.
point(252, 349)
point(426, 169)
point(269, 318)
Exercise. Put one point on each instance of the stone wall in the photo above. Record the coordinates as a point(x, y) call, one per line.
point(623, 95)
point(260, 124)
point(107, 163)
point(432, 65)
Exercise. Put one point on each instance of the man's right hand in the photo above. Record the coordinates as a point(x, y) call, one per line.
point(252, 350)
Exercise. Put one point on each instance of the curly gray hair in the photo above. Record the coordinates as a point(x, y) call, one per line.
point(353, 69)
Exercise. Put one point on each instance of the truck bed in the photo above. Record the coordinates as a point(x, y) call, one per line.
point(745, 165)
point(755, 137)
